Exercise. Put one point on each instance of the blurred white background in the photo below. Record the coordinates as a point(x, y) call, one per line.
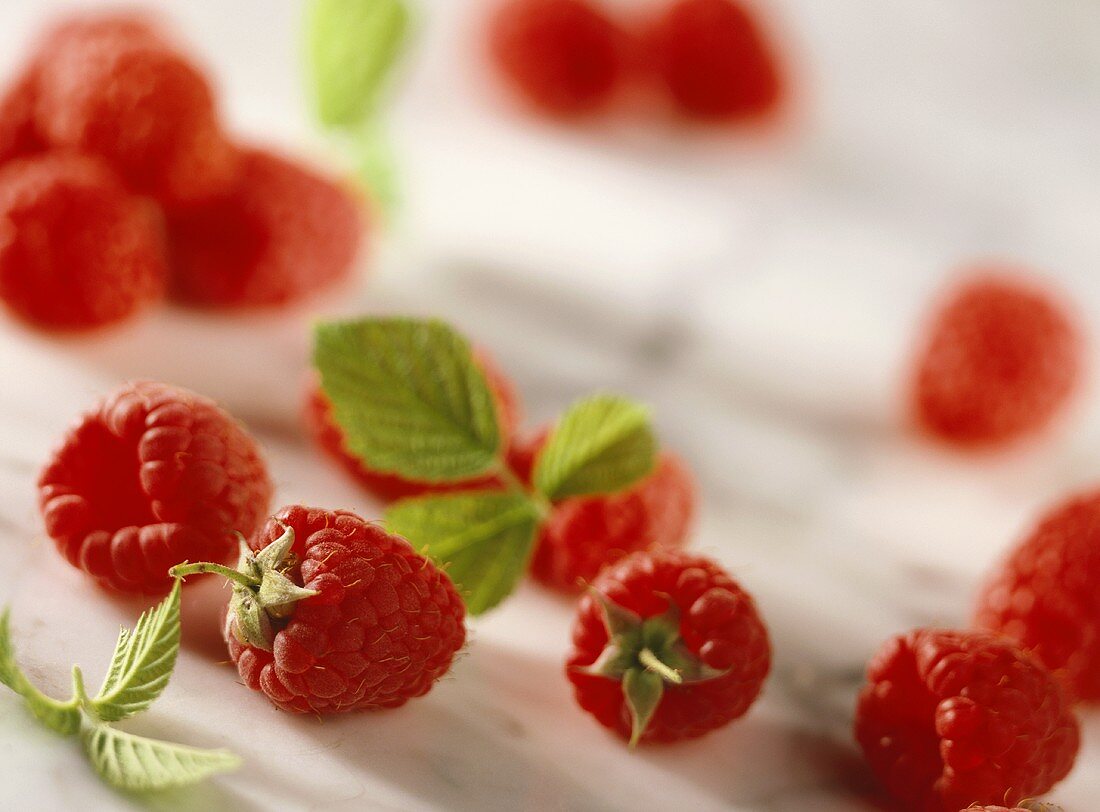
point(762, 292)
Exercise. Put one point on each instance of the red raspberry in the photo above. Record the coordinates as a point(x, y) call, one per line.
point(153, 476)
point(390, 487)
point(18, 134)
point(950, 718)
point(583, 534)
point(1000, 360)
point(714, 60)
point(283, 233)
point(377, 625)
point(114, 86)
point(564, 56)
point(667, 646)
point(1046, 595)
point(76, 249)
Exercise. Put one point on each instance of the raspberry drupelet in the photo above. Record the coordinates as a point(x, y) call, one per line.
point(153, 476)
point(667, 646)
point(332, 614)
point(948, 719)
point(77, 250)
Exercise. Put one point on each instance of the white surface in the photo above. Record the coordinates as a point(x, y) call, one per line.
point(761, 294)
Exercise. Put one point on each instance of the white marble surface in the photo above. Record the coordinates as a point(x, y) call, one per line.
point(762, 294)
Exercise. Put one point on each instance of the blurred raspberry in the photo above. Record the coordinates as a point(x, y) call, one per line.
point(113, 85)
point(280, 235)
point(564, 56)
point(714, 59)
point(76, 249)
point(1046, 595)
point(1000, 360)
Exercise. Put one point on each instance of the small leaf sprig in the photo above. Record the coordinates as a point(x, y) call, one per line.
point(352, 49)
point(410, 400)
point(140, 668)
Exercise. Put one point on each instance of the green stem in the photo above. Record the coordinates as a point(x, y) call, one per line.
point(183, 570)
point(653, 663)
point(517, 485)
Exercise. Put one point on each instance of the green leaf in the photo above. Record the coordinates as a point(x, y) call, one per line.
point(142, 662)
point(409, 397)
point(63, 717)
point(351, 47)
point(601, 445)
point(138, 764)
point(643, 691)
point(484, 539)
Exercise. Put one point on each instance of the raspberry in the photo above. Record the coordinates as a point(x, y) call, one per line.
point(18, 135)
point(667, 646)
point(1046, 595)
point(114, 86)
point(583, 534)
point(391, 487)
point(1002, 357)
point(280, 235)
point(713, 59)
point(951, 718)
point(564, 56)
point(76, 249)
point(370, 624)
point(153, 476)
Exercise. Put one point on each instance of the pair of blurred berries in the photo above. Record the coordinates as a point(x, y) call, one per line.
point(710, 58)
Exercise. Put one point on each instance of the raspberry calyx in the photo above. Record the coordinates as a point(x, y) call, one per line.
point(644, 654)
point(263, 593)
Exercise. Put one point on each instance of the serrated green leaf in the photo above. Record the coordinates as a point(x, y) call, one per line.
point(484, 539)
point(142, 662)
point(408, 397)
point(139, 764)
point(601, 445)
point(63, 717)
point(352, 46)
